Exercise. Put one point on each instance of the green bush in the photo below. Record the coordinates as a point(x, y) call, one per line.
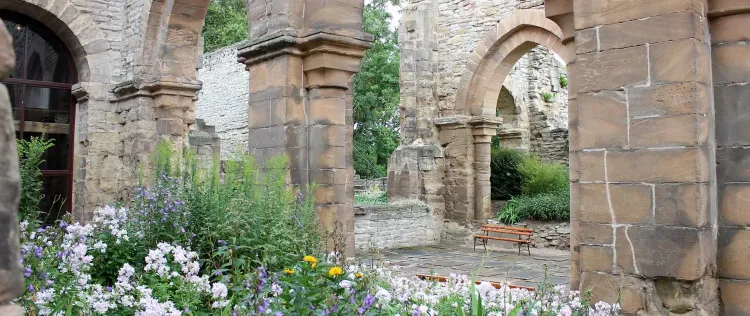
point(30, 156)
point(505, 177)
point(563, 81)
point(541, 177)
point(545, 206)
point(256, 214)
point(371, 197)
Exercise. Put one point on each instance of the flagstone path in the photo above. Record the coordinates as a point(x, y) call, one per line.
point(497, 264)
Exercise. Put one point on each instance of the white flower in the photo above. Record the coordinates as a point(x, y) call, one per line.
point(218, 290)
point(276, 289)
point(346, 284)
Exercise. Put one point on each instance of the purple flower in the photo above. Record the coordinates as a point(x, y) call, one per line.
point(109, 289)
point(361, 310)
point(279, 314)
point(27, 272)
point(221, 242)
point(38, 251)
point(31, 288)
point(63, 224)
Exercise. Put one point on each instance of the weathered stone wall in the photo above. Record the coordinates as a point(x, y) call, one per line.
point(395, 226)
point(136, 63)
point(731, 84)
point(643, 197)
point(11, 277)
point(222, 101)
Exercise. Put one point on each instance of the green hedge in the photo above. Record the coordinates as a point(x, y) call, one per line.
point(536, 189)
point(505, 177)
point(544, 206)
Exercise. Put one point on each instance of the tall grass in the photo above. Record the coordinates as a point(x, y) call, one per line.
point(257, 215)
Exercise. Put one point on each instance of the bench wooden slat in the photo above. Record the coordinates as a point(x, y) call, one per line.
point(505, 231)
point(521, 241)
point(508, 227)
point(494, 284)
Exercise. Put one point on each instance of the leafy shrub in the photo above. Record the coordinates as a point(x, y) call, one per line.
point(541, 177)
point(544, 206)
point(30, 156)
point(563, 81)
point(506, 177)
point(547, 97)
point(266, 221)
point(371, 197)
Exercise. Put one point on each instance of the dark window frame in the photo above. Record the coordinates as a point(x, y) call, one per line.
point(56, 43)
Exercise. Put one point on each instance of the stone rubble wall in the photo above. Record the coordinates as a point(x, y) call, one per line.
point(223, 100)
point(395, 226)
point(361, 185)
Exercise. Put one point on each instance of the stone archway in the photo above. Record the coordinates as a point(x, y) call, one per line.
point(477, 98)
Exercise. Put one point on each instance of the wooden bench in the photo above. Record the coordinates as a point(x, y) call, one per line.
point(507, 230)
point(494, 284)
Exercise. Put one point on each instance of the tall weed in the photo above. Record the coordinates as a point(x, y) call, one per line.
point(242, 216)
point(30, 156)
point(541, 177)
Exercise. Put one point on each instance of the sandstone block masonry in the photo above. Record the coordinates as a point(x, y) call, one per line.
point(395, 226)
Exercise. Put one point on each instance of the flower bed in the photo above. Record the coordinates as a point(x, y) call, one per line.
point(60, 261)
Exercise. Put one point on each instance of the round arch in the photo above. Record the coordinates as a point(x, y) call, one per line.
point(496, 54)
point(77, 30)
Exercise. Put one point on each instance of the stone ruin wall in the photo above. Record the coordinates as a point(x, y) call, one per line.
point(433, 164)
point(540, 127)
point(223, 100)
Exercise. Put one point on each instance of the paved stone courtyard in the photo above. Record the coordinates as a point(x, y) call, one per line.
point(498, 264)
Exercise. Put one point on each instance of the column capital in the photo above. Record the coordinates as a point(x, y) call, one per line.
point(290, 43)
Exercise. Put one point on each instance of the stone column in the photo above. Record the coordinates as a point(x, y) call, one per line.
point(298, 107)
point(730, 36)
point(11, 277)
point(642, 155)
point(327, 75)
point(483, 128)
point(174, 109)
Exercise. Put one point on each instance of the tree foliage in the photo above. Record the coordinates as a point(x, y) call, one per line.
point(376, 86)
point(226, 24)
point(376, 95)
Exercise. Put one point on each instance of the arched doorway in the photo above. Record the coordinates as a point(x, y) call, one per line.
point(42, 104)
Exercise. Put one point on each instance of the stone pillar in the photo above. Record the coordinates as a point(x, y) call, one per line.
point(415, 169)
point(730, 36)
point(300, 62)
point(11, 277)
point(483, 128)
point(327, 77)
point(642, 155)
point(174, 109)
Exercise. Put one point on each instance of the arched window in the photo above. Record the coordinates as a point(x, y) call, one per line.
point(40, 94)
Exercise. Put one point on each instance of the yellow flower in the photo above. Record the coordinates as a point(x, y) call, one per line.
point(289, 271)
point(311, 260)
point(335, 271)
point(358, 275)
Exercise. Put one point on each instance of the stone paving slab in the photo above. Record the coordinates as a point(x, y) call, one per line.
point(495, 265)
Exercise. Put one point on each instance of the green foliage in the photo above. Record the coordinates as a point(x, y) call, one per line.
point(541, 177)
point(226, 24)
point(371, 197)
point(376, 95)
point(505, 177)
point(547, 97)
point(30, 156)
point(545, 206)
point(264, 221)
point(563, 81)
